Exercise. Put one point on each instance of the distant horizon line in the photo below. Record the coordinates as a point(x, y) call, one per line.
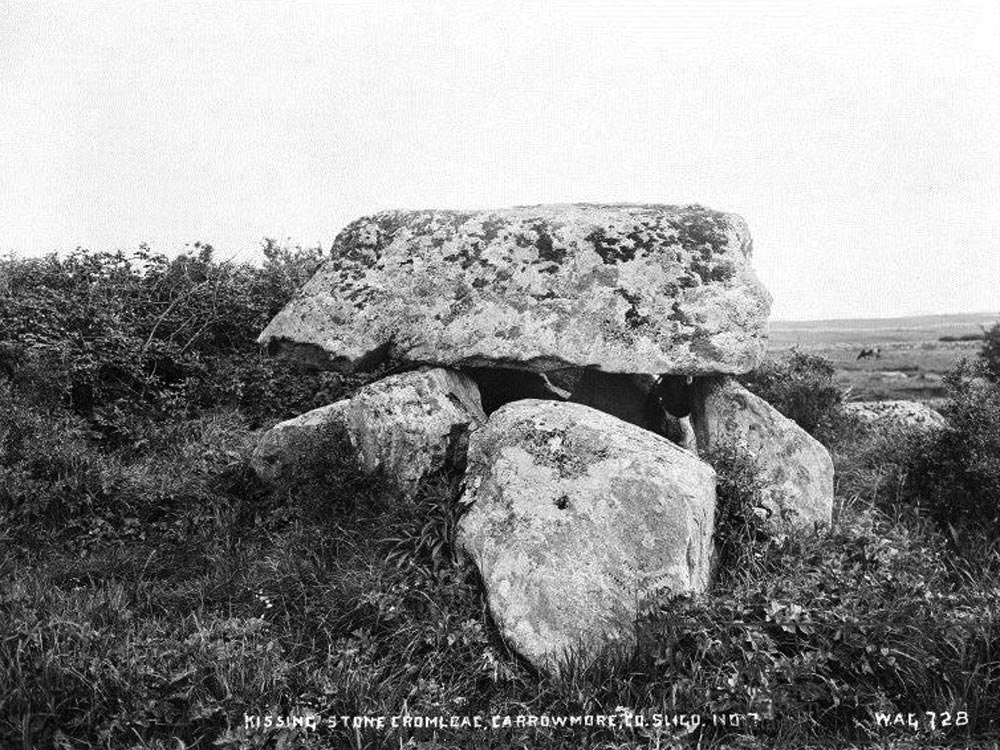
point(902, 316)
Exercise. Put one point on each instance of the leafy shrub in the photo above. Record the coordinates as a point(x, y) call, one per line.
point(872, 464)
point(990, 353)
point(57, 482)
point(955, 474)
point(802, 388)
point(829, 630)
point(50, 475)
point(119, 338)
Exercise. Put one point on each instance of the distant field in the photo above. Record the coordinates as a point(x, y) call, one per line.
point(913, 357)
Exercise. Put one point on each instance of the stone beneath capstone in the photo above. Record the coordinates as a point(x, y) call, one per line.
point(896, 416)
point(403, 427)
point(622, 288)
point(795, 470)
point(575, 517)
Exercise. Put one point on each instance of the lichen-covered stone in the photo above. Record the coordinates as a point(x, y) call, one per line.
point(575, 516)
point(622, 288)
point(896, 416)
point(795, 470)
point(403, 427)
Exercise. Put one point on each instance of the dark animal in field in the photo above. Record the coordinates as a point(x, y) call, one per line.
point(870, 352)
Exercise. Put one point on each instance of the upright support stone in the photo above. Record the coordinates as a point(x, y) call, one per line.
point(404, 427)
point(796, 471)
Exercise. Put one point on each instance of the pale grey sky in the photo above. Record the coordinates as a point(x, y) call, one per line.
point(861, 141)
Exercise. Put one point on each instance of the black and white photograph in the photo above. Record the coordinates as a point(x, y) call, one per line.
point(596, 375)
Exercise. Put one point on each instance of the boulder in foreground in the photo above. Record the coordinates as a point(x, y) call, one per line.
point(575, 516)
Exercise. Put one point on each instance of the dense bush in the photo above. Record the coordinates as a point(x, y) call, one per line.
point(955, 473)
point(801, 387)
point(830, 632)
point(326, 482)
point(122, 339)
point(962, 337)
point(990, 353)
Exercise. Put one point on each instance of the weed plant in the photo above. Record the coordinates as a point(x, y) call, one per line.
point(801, 387)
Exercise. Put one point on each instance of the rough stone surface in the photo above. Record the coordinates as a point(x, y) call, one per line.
point(622, 288)
point(576, 516)
point(404, 426)
point(896, 415)
point(795, 469)
point(288, 443)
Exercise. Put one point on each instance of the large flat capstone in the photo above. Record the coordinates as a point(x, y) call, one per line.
point(621, 288)
point(576, 517)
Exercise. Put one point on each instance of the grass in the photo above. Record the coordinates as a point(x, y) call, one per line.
point(913, 359)
point(298, 602)
point(910, 371)
point(154, 593)
point(161, 596)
